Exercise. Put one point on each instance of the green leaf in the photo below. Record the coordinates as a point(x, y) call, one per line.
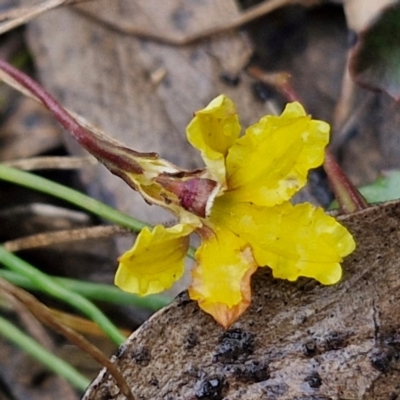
point(385, 188)
point(375, 60)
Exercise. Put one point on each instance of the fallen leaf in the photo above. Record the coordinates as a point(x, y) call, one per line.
point(374, 63)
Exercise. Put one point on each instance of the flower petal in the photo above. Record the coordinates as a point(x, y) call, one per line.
point(221, 277)
point(294, 241)
point(271, 161)
point(213, 131)
point(155, 261)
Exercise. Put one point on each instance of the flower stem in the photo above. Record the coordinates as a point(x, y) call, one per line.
point(348, 197)
point(93, 291)
point(53, 363)
point(52, 288)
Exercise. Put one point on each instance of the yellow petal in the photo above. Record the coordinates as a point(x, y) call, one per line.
point(271, 161)
point(213, 131)
point(221, 277)
point(294, 241)
point(155, 261)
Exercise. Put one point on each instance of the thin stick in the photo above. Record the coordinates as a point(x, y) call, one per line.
point(53, 363)
point(53, 162)
point(44, 314)
point(92, 291)
point(348, 197)
point(56, 290)
point(30, 13)
point(65, 236)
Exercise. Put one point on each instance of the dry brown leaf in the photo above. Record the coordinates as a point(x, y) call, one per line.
point(359, 13)
point(22, 15)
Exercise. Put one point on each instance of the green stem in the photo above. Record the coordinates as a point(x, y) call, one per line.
point(53, 363)
point(93, 291)
point(49, 286)
point(81, 200)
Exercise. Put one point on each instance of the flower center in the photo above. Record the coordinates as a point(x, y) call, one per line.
point(193, 193)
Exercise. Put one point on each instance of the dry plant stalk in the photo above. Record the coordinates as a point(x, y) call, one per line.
point(45, 315)
point(65, 236)
point(52, 162)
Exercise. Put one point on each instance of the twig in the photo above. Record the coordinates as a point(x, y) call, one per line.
point(69, 235)
point(41, 312)
point(81, 325)
point(348, 197)
point(30, 324)
point(28, 14)
point(30, 164)
point(53, 288)
point(93, 291)
point(47, 358)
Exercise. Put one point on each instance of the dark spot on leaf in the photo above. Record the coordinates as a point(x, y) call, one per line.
point(335, 341)
point(40, 378)
point(310, 349)
point(392, 340)
point(105, 393)
point(262, 92)
point(234, 344)
point(180, 18)
point(154, 381)
point(275, 390)
point(191, 341)
point(32, 120)
point(120, 351)
point(382, 358)
point(230, 79)
point(352, 38)
point(314, 380)
point(142, 356)
point(211, 388)
point(251, 372)
point(183, 299)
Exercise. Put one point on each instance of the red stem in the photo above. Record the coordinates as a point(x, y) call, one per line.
point(107, 152)
point(349, 198)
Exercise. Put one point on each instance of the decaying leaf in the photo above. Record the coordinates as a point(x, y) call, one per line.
point(374, 62)
point(360, 12)
point(297, 340)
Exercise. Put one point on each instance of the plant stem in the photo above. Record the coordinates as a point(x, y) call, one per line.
point(350, 200)
point(93, 291)
point(72, 196)
point(53, 363)
point(49, 286)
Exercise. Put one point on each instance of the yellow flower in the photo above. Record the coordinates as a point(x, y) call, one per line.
point(239, 206)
